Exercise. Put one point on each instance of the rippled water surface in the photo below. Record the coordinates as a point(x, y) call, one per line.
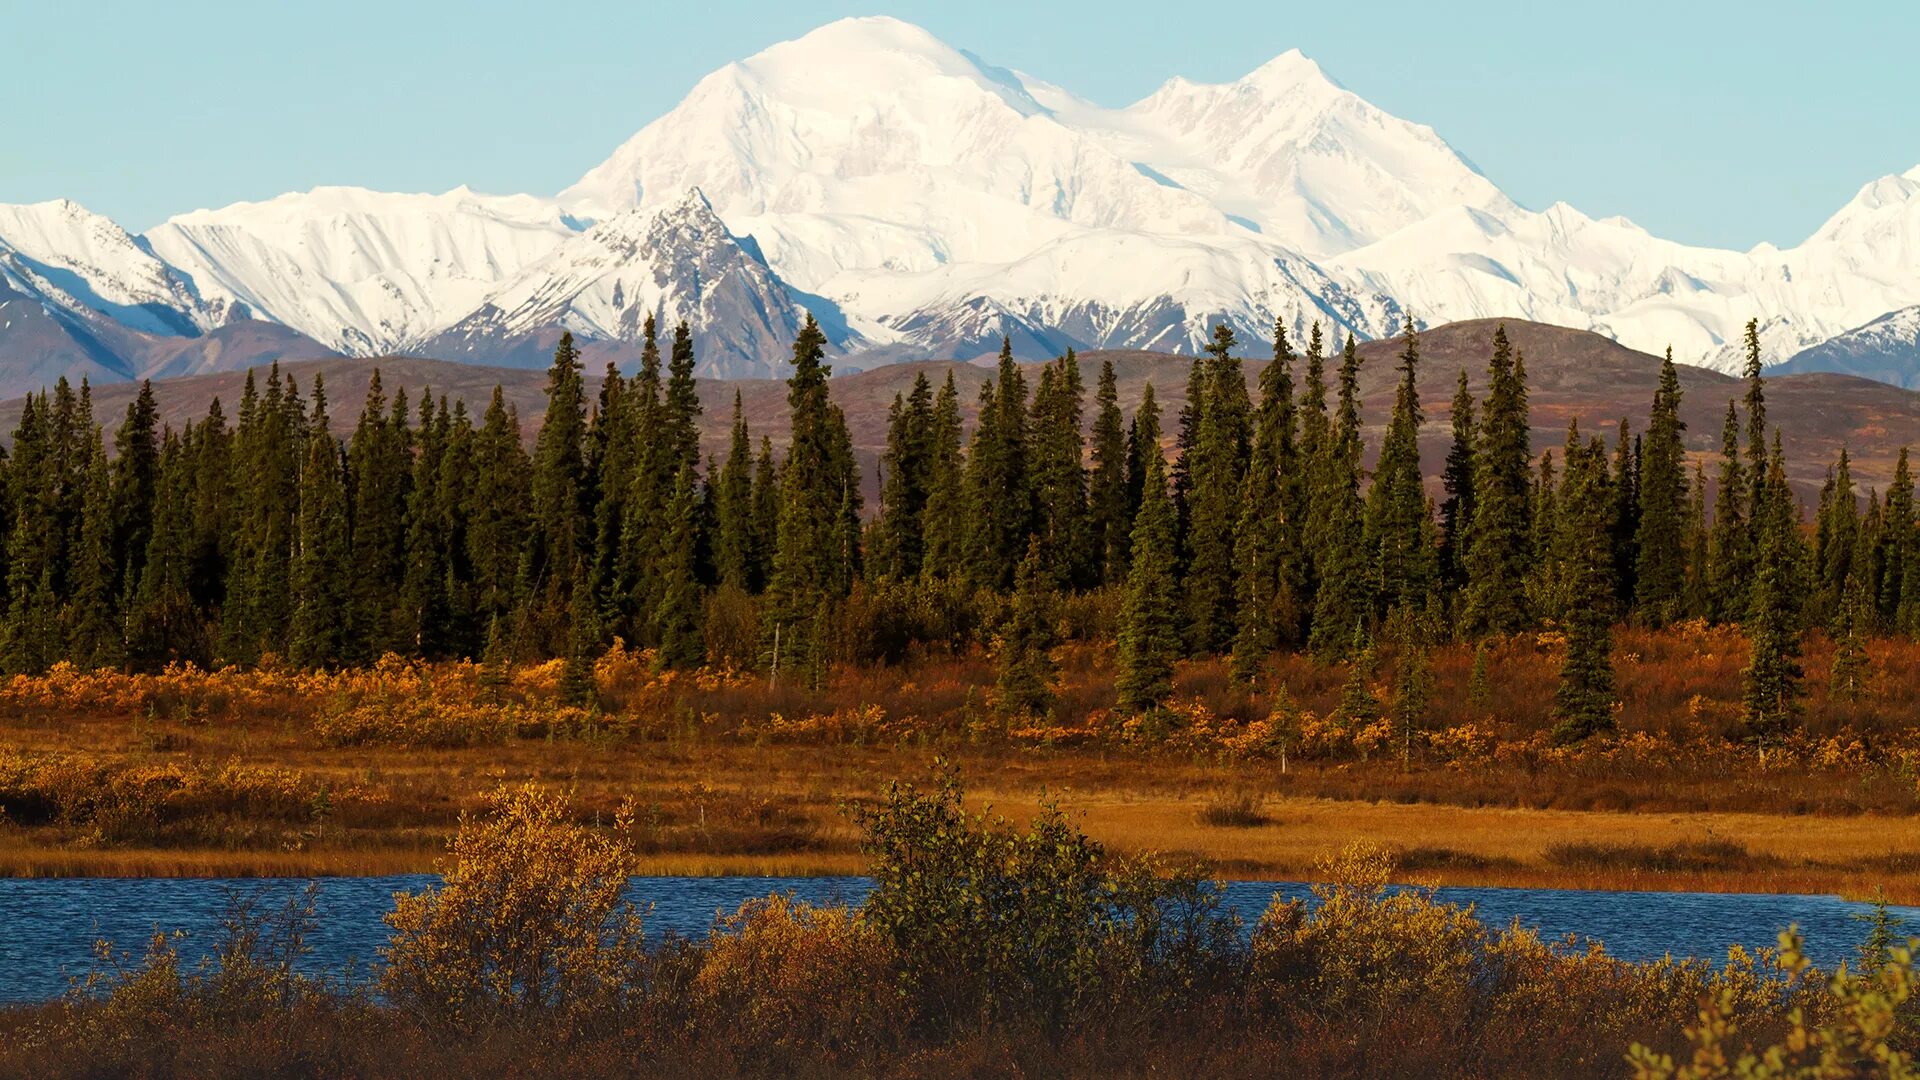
point(48, 926)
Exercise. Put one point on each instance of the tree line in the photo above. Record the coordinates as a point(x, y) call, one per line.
point(430, 533)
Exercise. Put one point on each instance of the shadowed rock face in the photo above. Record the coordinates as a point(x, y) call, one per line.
point(1570, 374)
point(1886, 350)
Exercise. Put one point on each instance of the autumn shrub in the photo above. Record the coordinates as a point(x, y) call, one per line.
point(1854, 1024)
point(792, 982)
point(997, 925)
point(1362, 945)
point(529, 916)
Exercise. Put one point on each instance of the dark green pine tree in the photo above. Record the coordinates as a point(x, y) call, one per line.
point(680, 407)
point(1148, 642)
point(1315, 432)
point(265, 459)
point(1267, 552)
point(1499, 550)
point(1662, 538)
point(1343, 598)
point(632, 589)
point(1624, 515)
point(496, 511)
point(1107, 505)
point(1771, 683)
point(1730, 545)
point(32, 640)
point(999, 484)
point(165, 622)
point(1583, 702)
point(379, 468)
point(1837, 535)
point(734, 543)
point(1456, 480)
point(466, 628)
point(1143, 444)
point(1756, 406)
point(425, 623)
point(585, 643)
point(323, 566)
point(1852, 670)
point(1058, 475)
point(1404, 565)
point(899, 540)
point(613, 454)
point(1216, 484)
point(1544, 594)
point(943, 524)
point(136, 475)
point(558, 532)
point(677, 618)
point(1897, 543)
point(1697, 600)
point(93, 626)
point(766, 513)
point(1023, 657)
point(810, 562)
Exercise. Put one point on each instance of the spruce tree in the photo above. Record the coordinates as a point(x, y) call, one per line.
point(1456, 479)
point(1216, 485)
point(1107, 505)
point(1023, 660)
point(323, 567)
point(999, 490)
point(1268, 542)
point(136, 464)
point(1838, 533)
point(379, 467)
point(1058, 477)
point(734, 543)
point(766, 513)
point(899, 533)
point(943, 522)
point(1343, 599)
point(1851, 672)
point(1149, 638)
point(426, 607)
point(1662, 537)
point(1730, 546)
point(1403, 565)
point(558, 533)
point(810, 561)
point(1499, 550)
point(1583, 702)
point(496, 510)
point(1898, 542)
point(1771, 683)
point(93, 626)
point(1623, 516)
point(584, 645)
point(677, 617)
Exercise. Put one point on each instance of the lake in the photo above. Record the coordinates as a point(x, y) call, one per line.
point(48, 926)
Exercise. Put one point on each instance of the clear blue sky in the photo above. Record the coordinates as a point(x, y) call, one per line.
point(1708, 122)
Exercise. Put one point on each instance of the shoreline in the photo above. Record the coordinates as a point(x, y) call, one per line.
point(1438, 844)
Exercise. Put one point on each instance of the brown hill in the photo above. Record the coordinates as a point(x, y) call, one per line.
point(1570, 373)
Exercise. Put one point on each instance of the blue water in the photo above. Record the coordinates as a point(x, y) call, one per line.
point(48, 927)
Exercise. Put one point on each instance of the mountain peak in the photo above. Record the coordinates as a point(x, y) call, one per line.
point(1289, 69)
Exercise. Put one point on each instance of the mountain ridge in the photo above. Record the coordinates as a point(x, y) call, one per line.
point(921, 201)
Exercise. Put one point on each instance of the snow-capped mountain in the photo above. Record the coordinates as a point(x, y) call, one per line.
point(676, 261)
point(923, 202)
point(1885, 350)
point(364, 272)
point(82, 264)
